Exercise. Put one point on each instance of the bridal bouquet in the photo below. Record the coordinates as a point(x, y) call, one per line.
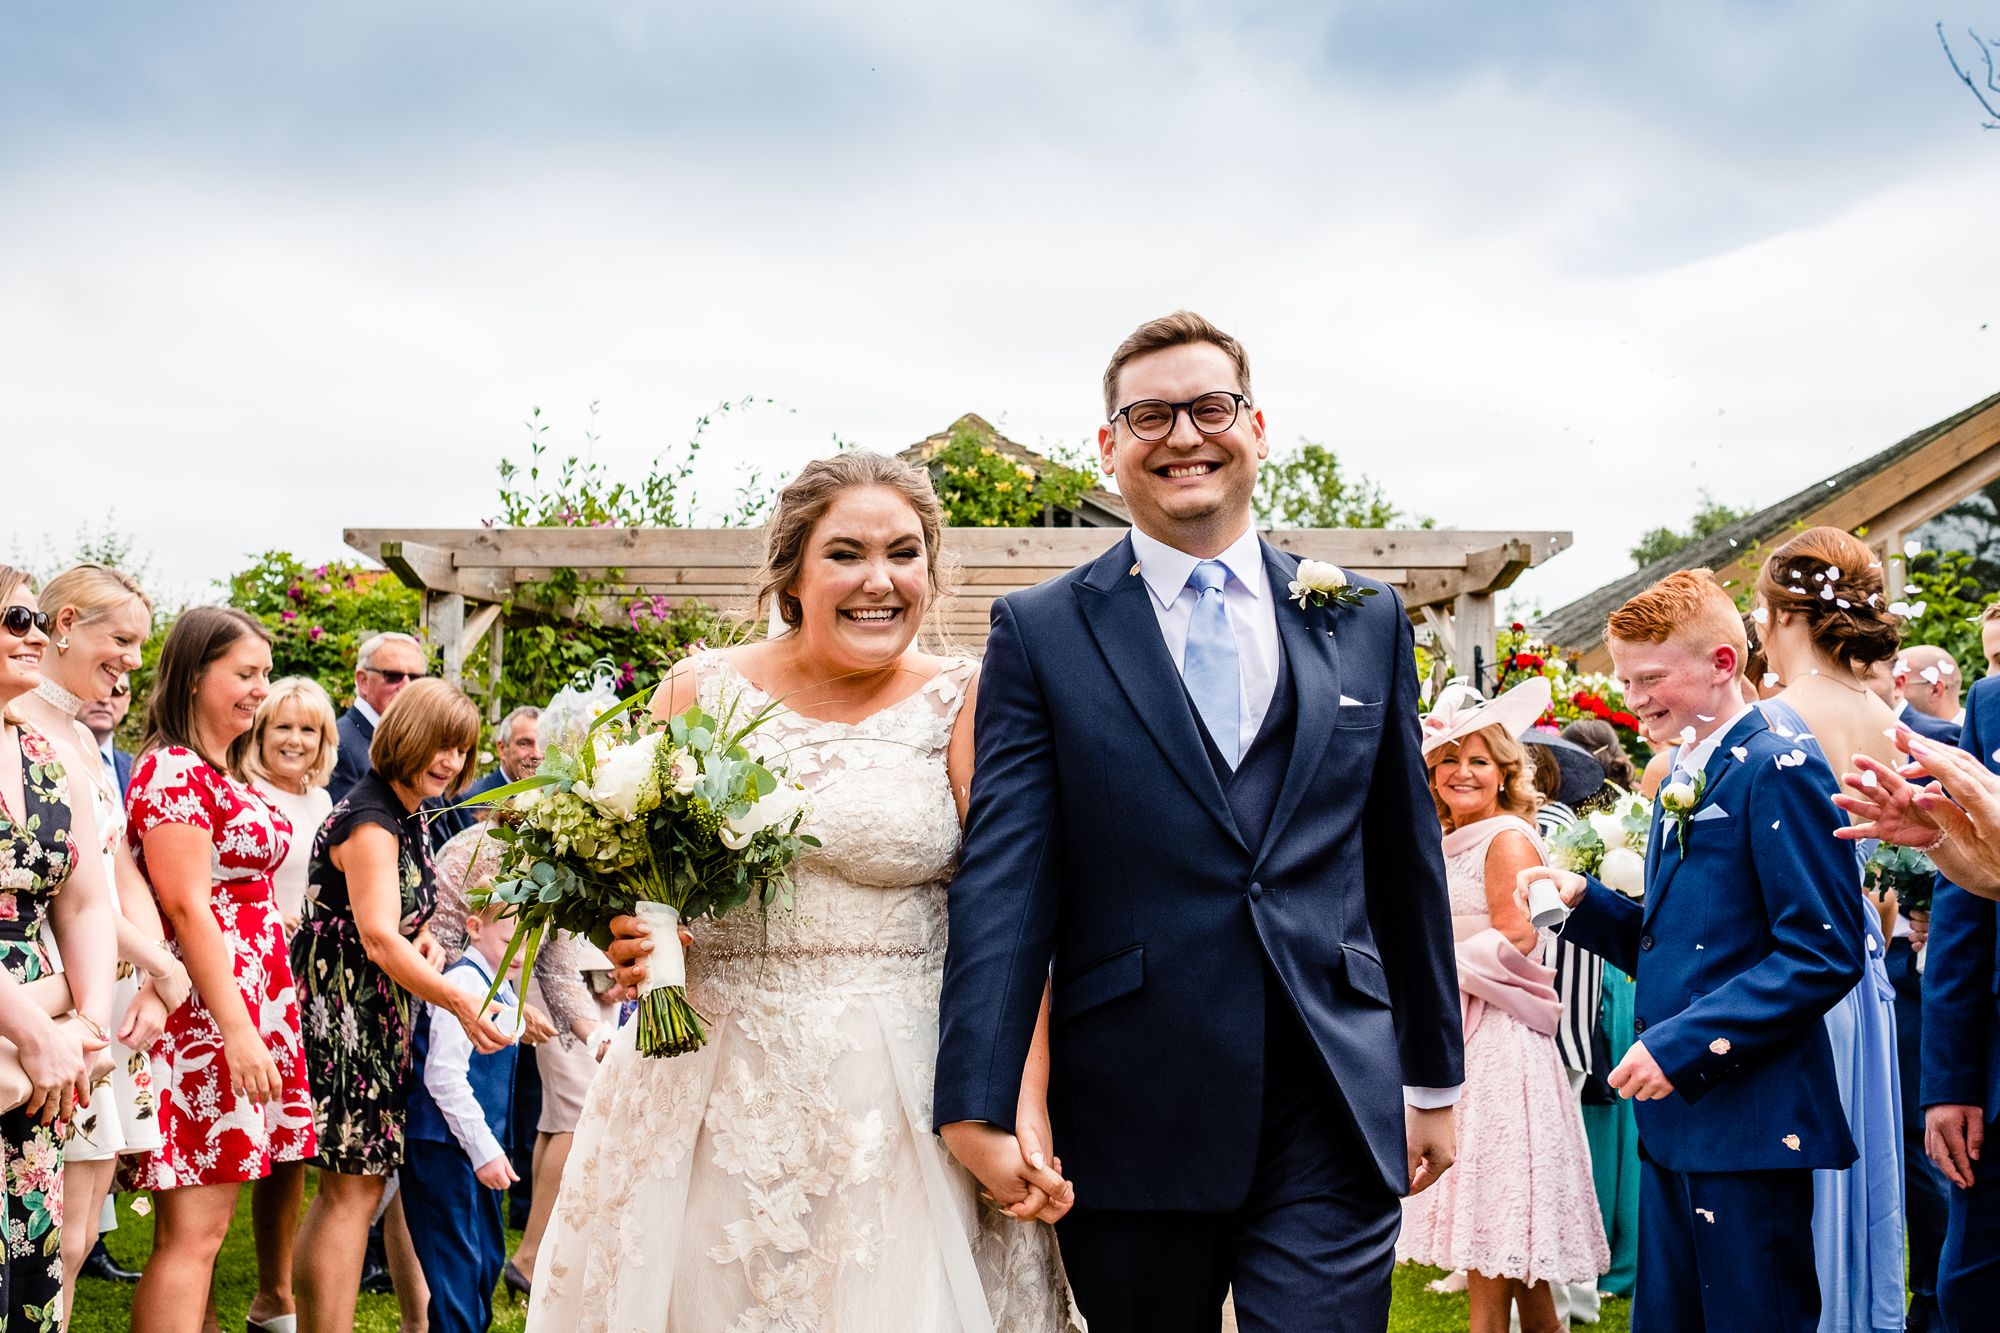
point(670, 821)
point(1610, 844)
point(1905, 871)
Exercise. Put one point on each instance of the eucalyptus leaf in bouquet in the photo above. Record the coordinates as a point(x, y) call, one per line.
point(1907, 871)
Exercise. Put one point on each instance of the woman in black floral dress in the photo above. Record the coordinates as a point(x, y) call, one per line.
point(44, 818)
point(363, 959)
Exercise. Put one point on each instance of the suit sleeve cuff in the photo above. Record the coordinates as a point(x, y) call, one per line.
point(1431, 1099)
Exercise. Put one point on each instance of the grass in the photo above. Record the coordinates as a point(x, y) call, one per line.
point(105, 1307)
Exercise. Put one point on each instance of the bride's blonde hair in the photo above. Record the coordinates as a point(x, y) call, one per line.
point(803, 503)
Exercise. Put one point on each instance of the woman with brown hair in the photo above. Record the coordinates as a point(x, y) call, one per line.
point(1517, 1211)
point(1821, 618)
point(364, 958)
point(98, 618)
point(785, 1175)
point(54, 879)
point(233, 1100)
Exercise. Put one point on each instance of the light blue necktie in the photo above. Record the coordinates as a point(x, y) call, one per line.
point(1209, 667)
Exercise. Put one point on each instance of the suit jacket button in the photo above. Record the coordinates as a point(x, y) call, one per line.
point(1645, 941)
point(1256, 892)
point(1638, 1025)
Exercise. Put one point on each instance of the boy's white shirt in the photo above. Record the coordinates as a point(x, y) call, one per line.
point(450, 1056)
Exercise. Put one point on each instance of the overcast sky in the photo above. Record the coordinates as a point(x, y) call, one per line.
point(271, 270)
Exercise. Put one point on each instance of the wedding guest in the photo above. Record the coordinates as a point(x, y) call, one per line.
point(1961, 1036)
point(1989, 637)
point(517, 751)
point(287, 755)
point(1927, 680)
point(364, 957)
point(1600, 739)
point(230, 1070)
point(103, 717)
point(1819, 604)
point(383, 665)
point(1518, 1210)
point(461, 1105)
point(561, 1001)
point(54, 894)
point(1749, 934)
point(99, 619)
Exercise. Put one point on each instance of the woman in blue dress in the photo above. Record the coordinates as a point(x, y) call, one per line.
point(1820, 618)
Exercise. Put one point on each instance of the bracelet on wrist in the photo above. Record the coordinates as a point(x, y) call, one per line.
point(1943, 837)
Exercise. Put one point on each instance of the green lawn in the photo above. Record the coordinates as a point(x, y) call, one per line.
point(105, 1307)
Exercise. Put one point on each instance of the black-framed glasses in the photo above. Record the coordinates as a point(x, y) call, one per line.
point(1152, 419)
point(18, 619)
point(396, 677)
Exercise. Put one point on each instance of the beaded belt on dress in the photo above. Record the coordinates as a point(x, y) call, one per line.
point(699, 953)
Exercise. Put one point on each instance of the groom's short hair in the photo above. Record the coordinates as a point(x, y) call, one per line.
point(1175, 330)
point(1689, 607)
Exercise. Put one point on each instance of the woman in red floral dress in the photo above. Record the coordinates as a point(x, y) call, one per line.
point(230, 1066)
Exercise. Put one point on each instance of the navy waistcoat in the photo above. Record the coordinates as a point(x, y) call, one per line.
point(491, 1077)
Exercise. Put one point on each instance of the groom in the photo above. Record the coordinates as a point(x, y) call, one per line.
point(1201, 810)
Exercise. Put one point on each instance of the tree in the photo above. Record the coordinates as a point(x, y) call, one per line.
point(1709, 518)
point(982, 485)
point(1988, 96)
point(1304, 488)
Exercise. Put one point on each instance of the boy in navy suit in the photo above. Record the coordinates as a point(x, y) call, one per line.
point(1751, 931)
point(457, 1173)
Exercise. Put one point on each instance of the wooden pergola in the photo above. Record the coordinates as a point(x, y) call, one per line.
point(468, 575)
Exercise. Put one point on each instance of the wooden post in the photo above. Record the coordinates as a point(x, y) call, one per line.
point(444, 622)
point(1472, 634)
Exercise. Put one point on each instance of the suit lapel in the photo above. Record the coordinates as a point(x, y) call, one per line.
point(1314, 659)
point(1119, 610)
point(1717, 774)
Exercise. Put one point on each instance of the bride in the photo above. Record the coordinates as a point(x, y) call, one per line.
point(784, 1176)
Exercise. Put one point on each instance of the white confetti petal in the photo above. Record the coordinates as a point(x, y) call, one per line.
point(1842, 603)
point(1826, 594)
point(1706, 1216)
point(1771, 678)
point(1742, 755)
point(1869, 779)
point(1776, 822)
point(1929, 675)
point(1913, 549)
point(1947, 667)
point(1791, 1141)
point(1833, 573)
point(1705, 717)
point(1761, 616)
point(1687, 735)
point(142, 1205)
point(1913, 587)
point(1874, 597)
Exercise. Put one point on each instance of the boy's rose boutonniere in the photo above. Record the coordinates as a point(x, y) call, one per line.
point(1321, 584)
point(1678, 800)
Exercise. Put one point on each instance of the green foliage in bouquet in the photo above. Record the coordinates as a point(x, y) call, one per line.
point(1609, 844)
point(1907, 872)
point(678, 814)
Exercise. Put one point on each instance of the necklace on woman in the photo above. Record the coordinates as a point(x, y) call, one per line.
point(58, 697)
point(1845, 685)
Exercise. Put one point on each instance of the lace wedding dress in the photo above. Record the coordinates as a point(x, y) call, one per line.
point(784, 1177)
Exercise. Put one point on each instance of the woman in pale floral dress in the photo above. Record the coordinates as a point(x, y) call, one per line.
point(784, 1176)
point(50, 875)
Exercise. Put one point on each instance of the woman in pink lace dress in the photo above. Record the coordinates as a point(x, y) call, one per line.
point(1518, 1210)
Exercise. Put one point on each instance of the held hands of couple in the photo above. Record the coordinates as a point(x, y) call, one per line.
point(1014, 1171)
point(631, 941)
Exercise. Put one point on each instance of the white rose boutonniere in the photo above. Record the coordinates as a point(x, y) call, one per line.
point(1322, 584)
point(1678, 800)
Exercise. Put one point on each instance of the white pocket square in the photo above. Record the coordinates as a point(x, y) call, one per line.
point(1710, 812)
point(1349, 702)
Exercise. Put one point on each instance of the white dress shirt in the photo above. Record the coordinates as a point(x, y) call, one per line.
point(1692, 760)
point(1253, 616)
point(368, 711)
point(1246, 597)
point(450, 1055)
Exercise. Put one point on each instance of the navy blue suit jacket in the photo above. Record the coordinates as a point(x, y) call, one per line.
point(355, 732)
point(1100, 843)
point(1962, 961)
point(1743, 944)
point(121, 765)
point(1933, 728)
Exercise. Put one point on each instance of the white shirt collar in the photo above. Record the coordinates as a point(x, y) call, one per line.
point(1694, 758)
point(368, 711)
point(1166, 568)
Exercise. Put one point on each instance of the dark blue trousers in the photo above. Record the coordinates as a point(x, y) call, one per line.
point(1724, 1251)
point(1968, 1284)
point(1924, 1186)
point(1313, 1247)
point(455, 1227)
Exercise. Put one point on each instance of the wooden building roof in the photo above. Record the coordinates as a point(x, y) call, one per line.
point(1885, 498)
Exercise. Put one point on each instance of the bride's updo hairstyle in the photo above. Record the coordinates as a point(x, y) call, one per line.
point(1832, 580)
point(803, 503)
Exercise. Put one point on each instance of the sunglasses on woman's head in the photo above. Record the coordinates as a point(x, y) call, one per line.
point(16, 620)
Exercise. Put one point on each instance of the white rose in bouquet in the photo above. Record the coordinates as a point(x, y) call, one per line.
point(619, 786)
point(683, 770)
point(1610, 826)
point(1624, 870)
point(777, 808)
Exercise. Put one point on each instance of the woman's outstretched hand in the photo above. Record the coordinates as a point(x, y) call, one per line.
point(1954, 816)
